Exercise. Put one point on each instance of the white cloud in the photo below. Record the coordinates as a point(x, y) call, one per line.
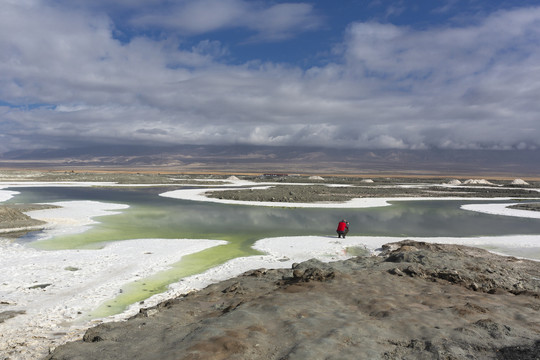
point(203, 16)
point(196, 16)
point(479, 79)
point(447, 87)
point(281, 20)
point(504, 39)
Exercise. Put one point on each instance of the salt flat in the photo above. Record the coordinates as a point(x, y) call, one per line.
point(54, 288)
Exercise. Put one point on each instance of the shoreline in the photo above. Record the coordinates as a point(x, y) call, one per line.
point(414, 300)
point(279, 254)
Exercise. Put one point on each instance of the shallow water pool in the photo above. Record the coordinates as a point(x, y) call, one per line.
point(152, 216)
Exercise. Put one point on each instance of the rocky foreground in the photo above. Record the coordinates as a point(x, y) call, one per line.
point(415, 301)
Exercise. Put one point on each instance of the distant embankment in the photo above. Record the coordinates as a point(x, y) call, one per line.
point(263, 159)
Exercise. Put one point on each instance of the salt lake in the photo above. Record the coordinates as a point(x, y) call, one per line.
point(149, 215)
point(167, 245)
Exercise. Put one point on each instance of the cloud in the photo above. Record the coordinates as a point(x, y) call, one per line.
point(104, 5)
point(69, 81)
point(154, 131)
point(195, 16)
point(283, 20)
point(202, 16)
point(447, 53)
point(474, 82)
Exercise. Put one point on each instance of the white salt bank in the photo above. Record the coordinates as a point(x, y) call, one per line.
point(54, 288)
point(477, 182)
point(49, 291)
point(454, 182)
point(519, 182)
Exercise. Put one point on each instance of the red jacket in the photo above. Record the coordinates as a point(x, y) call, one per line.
point(342, 226)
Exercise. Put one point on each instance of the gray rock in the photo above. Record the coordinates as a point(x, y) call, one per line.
point(417, 301)
point(4, 315)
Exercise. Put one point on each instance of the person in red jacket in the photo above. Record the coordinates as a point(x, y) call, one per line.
point(342, 228)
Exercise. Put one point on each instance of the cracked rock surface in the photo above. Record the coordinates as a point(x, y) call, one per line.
point(414, 301)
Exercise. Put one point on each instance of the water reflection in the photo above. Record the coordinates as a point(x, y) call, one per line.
point(152, 216)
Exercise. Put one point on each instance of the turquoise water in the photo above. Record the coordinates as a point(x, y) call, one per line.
point(153, 216)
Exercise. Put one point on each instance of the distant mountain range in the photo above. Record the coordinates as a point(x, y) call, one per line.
point(253, 159)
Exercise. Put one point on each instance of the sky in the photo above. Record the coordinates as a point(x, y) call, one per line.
point(363, 74)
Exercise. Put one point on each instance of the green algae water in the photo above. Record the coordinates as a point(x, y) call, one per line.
point(152, 216)
point(158, 283)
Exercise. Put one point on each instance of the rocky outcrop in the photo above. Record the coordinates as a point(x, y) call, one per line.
point(10, 217)
point(415, 300)
point(468, 267)
point(14, 222)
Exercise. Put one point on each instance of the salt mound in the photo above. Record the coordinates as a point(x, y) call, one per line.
point(477, 182)
point(367, 181)
point(315, 178)
point(232, 178)
point(519, 182)
point(454, 182)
